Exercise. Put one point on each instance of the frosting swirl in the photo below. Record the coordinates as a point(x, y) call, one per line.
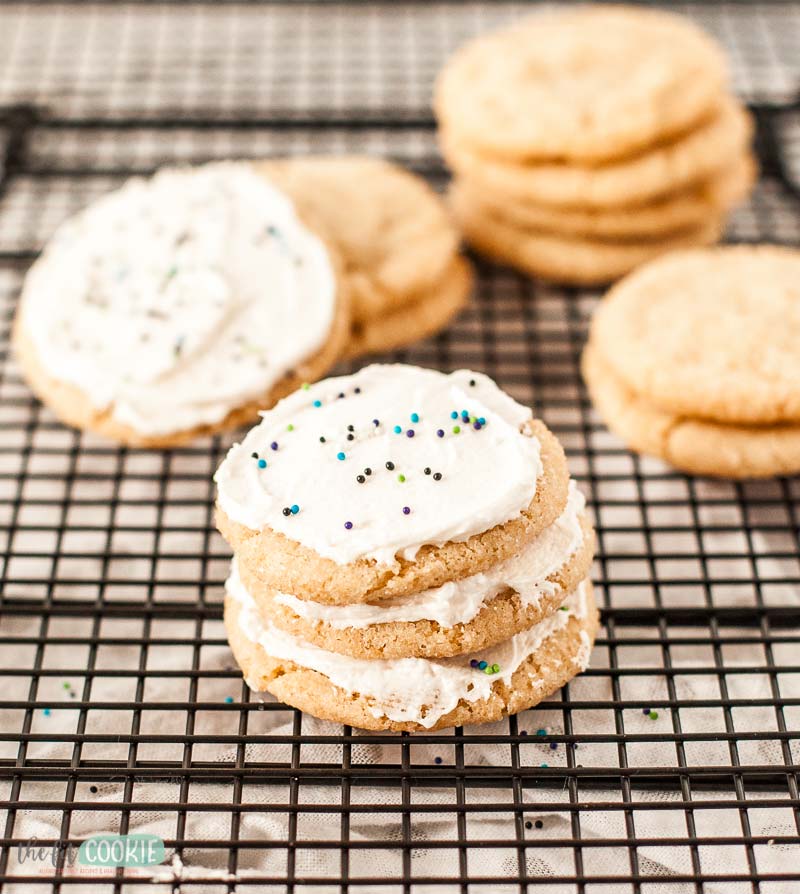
point(176, 299)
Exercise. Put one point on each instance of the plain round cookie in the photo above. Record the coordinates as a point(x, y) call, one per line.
point(590, 84)
point(290, 567)
point(498, 620)
point(709, 334)
point(693, 445)
point(651, 220)
point(426, 315)
point(392, 230)
point(661, 171)
point(74, 408)
point(572, 260)
point(555, 662)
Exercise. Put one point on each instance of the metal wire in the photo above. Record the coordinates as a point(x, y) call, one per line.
point(102, 545)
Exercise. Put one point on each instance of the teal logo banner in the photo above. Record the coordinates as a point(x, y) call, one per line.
point(122, 850)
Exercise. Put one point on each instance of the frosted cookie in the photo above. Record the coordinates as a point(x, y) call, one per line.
point(426, 315)
point(652, 220)
point(460, 616)
point(393, 232)
point(709, 334)
point(589, 85)
point(179, 305)
point(388, 482)
point(412, 693)
point(694, 445)
point(566, 259)
point(702, 154)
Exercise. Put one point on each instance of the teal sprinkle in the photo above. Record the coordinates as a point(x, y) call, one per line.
point(339, 455)
point(228, 699)
point(262, 464)
point(415, 417)
point(46, 712)
point(541, 732)
point(397, 429)
point(482, 420)
point(482, 665)
point(295, 508)
point(317, 403)
point(454, 415)
point(544, 766)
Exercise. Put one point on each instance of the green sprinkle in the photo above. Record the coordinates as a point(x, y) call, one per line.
point(290, 427)
point(401, 478)
point(488, 669)
point(67, 686)
point(653, 715)
point(564, 608)
point(456, 429)
point(305, 386)
point(495, 668)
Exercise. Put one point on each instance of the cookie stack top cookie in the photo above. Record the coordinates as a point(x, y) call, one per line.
point(694, 358)
point(587, 141)
point(408, 552)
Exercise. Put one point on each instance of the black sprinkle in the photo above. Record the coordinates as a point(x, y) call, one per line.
point(368, 471)
point(472, 382)
point(528, 825)
point(360, 479)
point(351, 428)
point(437, 476)
point(321, 439)
point(351, 437)
point(426, 470)
point(390, 466)
point(358, 391)
point(93, 789)
point(286, 510)
point(538, 824)
point(254, 455)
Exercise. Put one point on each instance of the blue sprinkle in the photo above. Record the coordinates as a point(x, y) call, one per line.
point(262, 464)
point(437, 760)
point(553, 746)
point(410, 433)
point(397, 429)
point(523, 732)
point(274, 445)
point(415, 417)
point(317, 403)
point(340, 455)
point(295, 508)
point(439, 432)
point(228, 699)
point(477, 426)
point(474, 662)
point(376, 422)
point(645, 710)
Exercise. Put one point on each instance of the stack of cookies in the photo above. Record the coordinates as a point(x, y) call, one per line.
point(397, 240)
point(587, 141)
point(694, 358)
point(409, 552)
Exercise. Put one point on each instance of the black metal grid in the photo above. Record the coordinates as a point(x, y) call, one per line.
point(119, 705)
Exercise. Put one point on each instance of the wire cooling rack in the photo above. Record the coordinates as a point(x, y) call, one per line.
point(669, 767)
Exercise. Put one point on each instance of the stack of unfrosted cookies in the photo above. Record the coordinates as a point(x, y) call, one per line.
point(694, 358)
point(409, 552)
point(587, 141)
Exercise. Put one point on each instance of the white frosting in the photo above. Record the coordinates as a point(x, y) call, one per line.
point(488, 476)
point(174, 300)
point(410, 689)
point(458, 602)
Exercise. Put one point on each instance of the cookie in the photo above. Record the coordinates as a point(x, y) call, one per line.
point(460, 616)
point(388, 482)
point(661, 171)
point(392, 230)
point(426, 315)
point(652, 220)
point(694, 445)
point(412, 693)
point(571, 260)
point(709, 334)
point(179, 306)
point(587, 85)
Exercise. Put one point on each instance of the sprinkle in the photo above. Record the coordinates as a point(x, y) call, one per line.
point(286, 511)
point(488, 670)
point(351, 428)
point(653, 715)
point(482, 420)
point(426, 470)
point(67, 685)
point(46, 712)
point(456, 429)
point(415, 417)
point(317, 403)
point(495, 668)
point(406, 510)
point(472, 383)
point(340, 394)
point(360, 479)
point(295, 508)
point(473, 662)
point(351, 437)
point(439, 432)
point(228, 699)
point(390, 466)
point(523, 732)
point(340, 455)
point(368, 471)
point(376, 422)
point(454, 415)
point(482, 665)
point(401, 478)
point(254, 455)
point(321, 439)
point(397, 429)
point(410, 433)
point(553, 746)
point(543, 766)
point(477, 426)
point(541, 732)
point(290, 427)
point(437, 476)
point(539, 823)
point(357, 391)
point(274, 445)
point(528, 825)
point(645, 711)
point(262, 464)
point(305, 386)
point(437, 760)
point(348, 525)
point(93, 789)
point(565, 608)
